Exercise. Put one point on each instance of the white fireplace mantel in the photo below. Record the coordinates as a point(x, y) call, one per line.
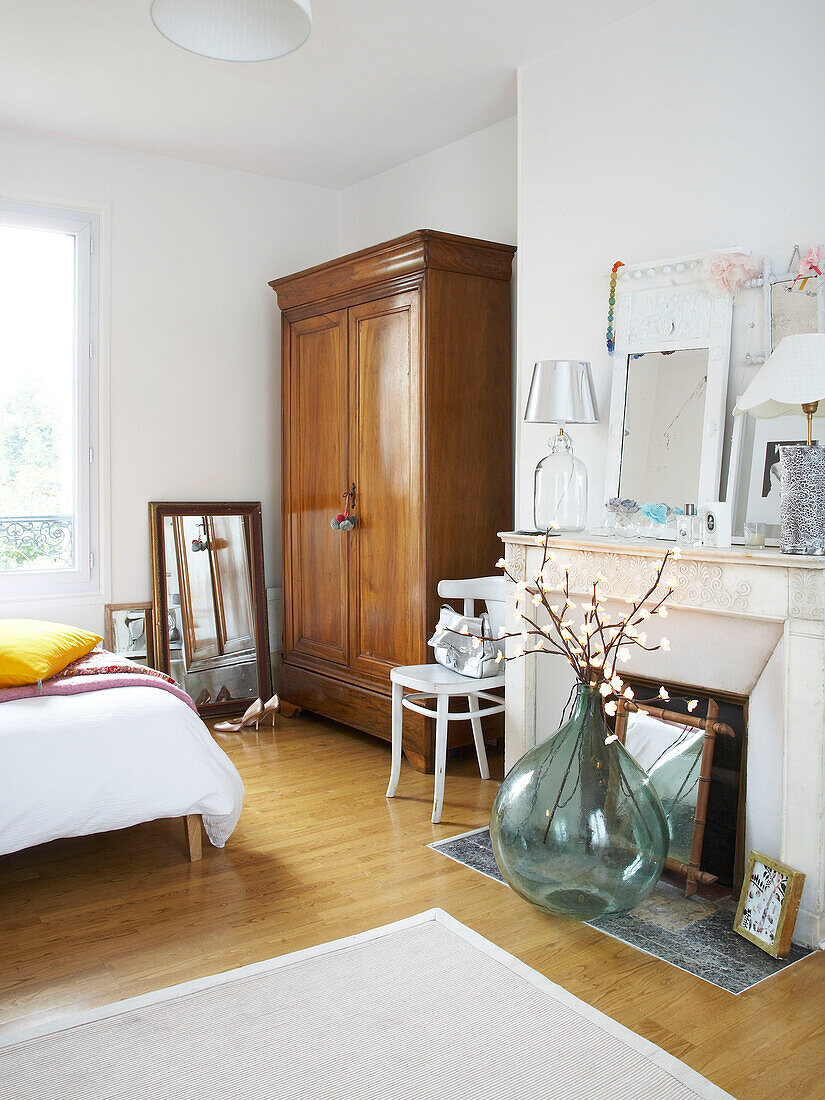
point(746, 621)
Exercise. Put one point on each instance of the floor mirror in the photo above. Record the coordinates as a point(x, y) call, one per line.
point(676, 751)
point(209, 602)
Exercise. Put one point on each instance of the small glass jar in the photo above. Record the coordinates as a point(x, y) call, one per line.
point(560, 489)
point(755, 533)
point(627, 525)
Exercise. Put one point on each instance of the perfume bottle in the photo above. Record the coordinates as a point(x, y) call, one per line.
point(687, 527)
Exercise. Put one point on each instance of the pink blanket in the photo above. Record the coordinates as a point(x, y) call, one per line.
point(98, 671)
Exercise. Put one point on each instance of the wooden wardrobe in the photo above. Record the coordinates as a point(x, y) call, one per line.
point(396, 381)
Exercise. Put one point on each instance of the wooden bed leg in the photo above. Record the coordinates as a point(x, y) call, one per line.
point(194, 843)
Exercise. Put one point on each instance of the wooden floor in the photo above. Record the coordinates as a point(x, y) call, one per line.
point(320, 853)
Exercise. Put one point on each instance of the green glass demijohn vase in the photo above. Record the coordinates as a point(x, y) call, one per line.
point(577, 827)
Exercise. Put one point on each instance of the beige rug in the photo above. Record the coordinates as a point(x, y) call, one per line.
point(425, 1009)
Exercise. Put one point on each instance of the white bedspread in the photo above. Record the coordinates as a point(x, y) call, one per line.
point(78, 764)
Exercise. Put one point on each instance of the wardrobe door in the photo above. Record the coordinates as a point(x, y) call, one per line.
point(385, 464)
point(315, 477)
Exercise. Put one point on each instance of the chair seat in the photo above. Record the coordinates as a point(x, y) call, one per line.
point(435, 677)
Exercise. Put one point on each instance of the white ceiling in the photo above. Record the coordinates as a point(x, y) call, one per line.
point(378, 83)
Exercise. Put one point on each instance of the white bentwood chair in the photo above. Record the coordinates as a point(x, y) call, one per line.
point(439, 683)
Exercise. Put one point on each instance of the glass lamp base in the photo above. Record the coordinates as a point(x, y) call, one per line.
point(560, 489)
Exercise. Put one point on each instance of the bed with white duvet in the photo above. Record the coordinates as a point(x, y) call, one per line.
point(85, 763)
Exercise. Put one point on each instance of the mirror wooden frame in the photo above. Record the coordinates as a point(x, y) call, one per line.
point(662, 305)
point(158, 512)
point(694, 875)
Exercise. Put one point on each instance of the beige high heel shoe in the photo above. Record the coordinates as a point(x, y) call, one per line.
point(252, 716)
point(271, 707)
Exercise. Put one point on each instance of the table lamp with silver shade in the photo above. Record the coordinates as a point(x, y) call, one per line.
point(561, 392)
point(792, 380)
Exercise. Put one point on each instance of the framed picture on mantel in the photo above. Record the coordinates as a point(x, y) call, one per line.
point(768, 904)
point(763, 484)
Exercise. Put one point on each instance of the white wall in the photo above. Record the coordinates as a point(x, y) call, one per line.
point(468, 187)
point(688, 126)
point(193, 358)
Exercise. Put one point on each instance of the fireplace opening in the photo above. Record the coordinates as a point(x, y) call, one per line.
point(723, 848)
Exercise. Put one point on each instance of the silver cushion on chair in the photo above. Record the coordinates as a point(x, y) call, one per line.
point(465, 643)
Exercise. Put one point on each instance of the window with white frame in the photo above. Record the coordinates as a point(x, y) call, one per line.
point(48, 401)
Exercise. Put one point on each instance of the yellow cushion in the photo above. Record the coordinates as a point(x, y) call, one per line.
point(32, 650)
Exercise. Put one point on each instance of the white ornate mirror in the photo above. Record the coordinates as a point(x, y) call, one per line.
point(670, 377)
point(664, 414)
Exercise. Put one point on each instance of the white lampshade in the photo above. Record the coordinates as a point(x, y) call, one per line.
point(793, 376)
point(235, 30)
point(561, 392)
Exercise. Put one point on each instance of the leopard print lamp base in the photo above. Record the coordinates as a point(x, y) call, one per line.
point(802, 506)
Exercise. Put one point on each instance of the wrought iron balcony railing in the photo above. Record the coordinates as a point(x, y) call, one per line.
point(36, 542)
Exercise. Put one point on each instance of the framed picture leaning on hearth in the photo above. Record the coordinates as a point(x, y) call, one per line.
point(768, 904)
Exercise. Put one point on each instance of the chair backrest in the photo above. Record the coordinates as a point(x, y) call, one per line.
point(492, 590)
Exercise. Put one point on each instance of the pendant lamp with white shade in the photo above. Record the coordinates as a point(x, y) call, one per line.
point(235, 30)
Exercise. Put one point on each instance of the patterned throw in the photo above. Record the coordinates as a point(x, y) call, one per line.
point(97, 671)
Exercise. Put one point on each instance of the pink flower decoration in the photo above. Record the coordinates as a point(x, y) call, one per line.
point(811, 263)
point(727, 272)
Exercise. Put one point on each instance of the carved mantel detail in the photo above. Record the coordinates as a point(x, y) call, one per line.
point(696, 583)
point(806, 595)
point(515, 556)
point(700, 584)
